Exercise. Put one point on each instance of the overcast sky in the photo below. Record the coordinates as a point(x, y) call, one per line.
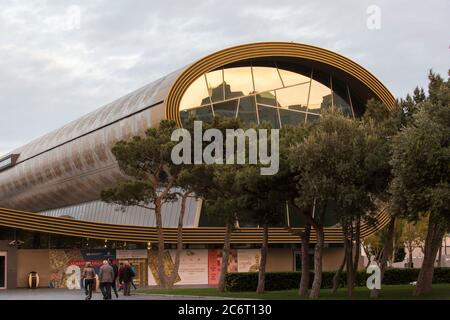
point(56, 65)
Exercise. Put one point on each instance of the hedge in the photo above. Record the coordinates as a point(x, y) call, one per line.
point(290, 280)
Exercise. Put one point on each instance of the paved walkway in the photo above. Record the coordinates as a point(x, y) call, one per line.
point(65, 294)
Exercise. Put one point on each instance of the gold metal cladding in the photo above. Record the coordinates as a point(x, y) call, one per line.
point(271, 49)
point(204, 235)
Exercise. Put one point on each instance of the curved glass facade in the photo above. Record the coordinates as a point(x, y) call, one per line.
point(264, 94)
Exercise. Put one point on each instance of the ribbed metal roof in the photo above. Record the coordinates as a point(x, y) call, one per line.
point(101, 212)
point(73, 164)
point(131, 103)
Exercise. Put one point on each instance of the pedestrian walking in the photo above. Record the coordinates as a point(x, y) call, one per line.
point(106, 277)
point(116, 275)
point(121, 269)
point(89, 280)
point(127, 278)
point(133, 268)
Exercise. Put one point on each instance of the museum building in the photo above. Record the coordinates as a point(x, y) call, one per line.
point(51, 215)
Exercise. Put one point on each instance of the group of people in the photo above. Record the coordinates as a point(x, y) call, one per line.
point(108, 275)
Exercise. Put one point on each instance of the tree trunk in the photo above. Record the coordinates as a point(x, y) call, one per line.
point(304, 276)
point(161, 245)
point(176, 267)
point(357, 237)
point(440, 256)
point(410, 262)
point(385, 254)
point(318, 252)
point(349, 258)
point(225, 257)
point(357, 248)
point(433, 241)
point(368, 255)
point(262, 263)
point(337, 275)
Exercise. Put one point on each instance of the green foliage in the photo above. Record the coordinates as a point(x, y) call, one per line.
point(399, 254)
point(216, 183)
point(335, 166)
point(147, 162)
point(421, 157)
point(289, 280)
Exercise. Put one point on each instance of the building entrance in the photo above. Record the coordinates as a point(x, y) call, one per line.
point(3, 270)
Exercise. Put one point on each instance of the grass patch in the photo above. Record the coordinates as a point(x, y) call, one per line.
point(388, 292)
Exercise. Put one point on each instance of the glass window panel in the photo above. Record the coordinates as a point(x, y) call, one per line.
point(358, 104)
point(267, 98)
point(247, 110)
point(238, 82)
point(266, 79)
point(215, 85)
point(196, 95)
point(226, 109)
point(201, 113)
point(319, 97)
point(312, 117)
point(292, 78)
point(342, 105)
point(291, 117)
point(340, 97)
point(269, 114)
point(293, 98)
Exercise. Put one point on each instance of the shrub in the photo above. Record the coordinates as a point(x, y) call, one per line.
point(290, 280)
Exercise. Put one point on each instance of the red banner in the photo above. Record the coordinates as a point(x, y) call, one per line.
point(215, 264)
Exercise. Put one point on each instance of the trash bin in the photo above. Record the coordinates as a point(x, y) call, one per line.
point(33, 280)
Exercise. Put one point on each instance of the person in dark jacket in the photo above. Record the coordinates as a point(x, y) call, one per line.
point(116, 274)
point(134, 272)
point(127, 278)
point(121, 268)
point(89, 280)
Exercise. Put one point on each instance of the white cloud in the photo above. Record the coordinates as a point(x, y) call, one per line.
point(55, 73)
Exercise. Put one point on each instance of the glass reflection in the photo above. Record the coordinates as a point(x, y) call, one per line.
point(266, 79)
point(341, 99)
point(226, 109)
point(342, 105)
point(312, 117)
point(258, 94)
point(247, 110)
point(291, 117)
point(267, 98)
point(238, 82)
point(215, 85)
point(319, 97)
point(201, 113)
point(294, 98)
point(196, 95)
point(292, 78)
point(270, 115)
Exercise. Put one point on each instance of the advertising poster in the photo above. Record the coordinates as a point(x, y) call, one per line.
point(131, 254)
point(98, 254)
point(215, 264)
point(153, 277)
point(59, 261)
point(138, 258)
point(68, 264)
point(193, 267)
point(248, 260)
